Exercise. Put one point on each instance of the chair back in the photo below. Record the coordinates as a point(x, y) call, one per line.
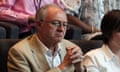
point(12, 30)
point(87, 45)
point(5, 45)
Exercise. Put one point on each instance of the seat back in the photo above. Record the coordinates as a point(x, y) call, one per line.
point(87, 45)
point(5, 45)
point(2, 32)
point(11, 29)
point(73, 33)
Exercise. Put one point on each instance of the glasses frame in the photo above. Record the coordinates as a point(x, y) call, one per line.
point(58, 23)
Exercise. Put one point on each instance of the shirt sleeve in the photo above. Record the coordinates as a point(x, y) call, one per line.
point(12, 15)
point(8, 13)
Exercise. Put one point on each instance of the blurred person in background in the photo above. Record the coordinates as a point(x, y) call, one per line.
point(92, 12)
point(22, 13)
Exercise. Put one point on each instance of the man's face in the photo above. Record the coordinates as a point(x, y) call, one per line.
point(54, 26)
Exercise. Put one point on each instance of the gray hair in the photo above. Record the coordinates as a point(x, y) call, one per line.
point(40, 15)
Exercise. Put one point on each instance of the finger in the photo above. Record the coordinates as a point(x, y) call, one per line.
point(76, 55)
point(69, 50)
point(76, 50)
point(77, 60)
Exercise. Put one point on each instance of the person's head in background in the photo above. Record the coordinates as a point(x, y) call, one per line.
point(51, 24)
point(110, 27)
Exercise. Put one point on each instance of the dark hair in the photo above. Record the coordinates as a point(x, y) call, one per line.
point(110, 23)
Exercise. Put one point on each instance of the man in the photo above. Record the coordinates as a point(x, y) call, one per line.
point(46, 50)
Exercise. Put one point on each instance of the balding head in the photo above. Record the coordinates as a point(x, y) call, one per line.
point(47, 11)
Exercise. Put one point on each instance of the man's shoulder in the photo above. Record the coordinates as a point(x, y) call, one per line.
point(22, 43)
point(67, 42)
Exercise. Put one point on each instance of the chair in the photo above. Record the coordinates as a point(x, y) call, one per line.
point(73, 33)
point(11, 29)
point(98, 37)
point(87, 45)
point(5, 45)
point(2, 32)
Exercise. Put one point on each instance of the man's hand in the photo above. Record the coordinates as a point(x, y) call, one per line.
point(73, 56)
point(76, 57)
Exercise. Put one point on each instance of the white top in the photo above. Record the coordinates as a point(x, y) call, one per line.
point(101, 60)
point(53, 60)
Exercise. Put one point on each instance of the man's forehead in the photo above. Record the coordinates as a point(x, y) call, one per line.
point(55, 11)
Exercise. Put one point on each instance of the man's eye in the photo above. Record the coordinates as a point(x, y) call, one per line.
point(56, 23)
point(59, 23)
point(65, 24)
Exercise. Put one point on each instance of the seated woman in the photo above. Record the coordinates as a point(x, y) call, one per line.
point(106, 58)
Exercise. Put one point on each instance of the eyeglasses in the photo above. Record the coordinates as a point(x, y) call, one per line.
point(58, 23)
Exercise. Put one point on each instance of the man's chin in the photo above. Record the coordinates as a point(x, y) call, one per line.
point(59, 39)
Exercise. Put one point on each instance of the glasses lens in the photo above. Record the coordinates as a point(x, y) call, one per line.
point(59, 23)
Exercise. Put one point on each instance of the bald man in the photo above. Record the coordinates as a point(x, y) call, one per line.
point(46, 50)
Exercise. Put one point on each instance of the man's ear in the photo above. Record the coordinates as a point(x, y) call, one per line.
point(39, 24)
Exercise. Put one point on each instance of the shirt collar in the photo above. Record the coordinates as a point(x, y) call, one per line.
point(49, 52)
point(46, 50)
